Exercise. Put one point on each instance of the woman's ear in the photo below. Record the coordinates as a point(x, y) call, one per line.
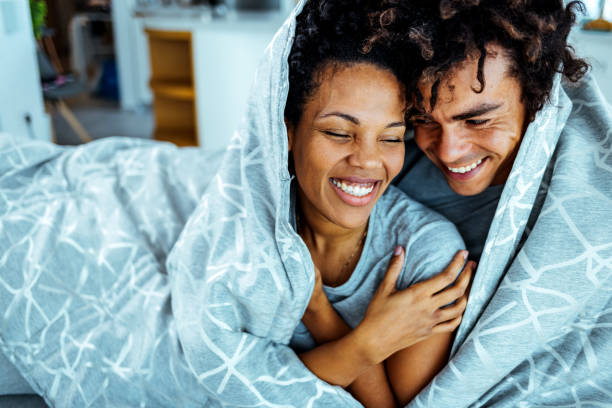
point(290, 133)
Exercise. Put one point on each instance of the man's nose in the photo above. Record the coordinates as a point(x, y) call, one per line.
point(451, 145)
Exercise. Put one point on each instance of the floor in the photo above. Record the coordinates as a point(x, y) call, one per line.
point(102, 118)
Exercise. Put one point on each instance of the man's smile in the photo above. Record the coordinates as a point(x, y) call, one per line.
point(465, 169)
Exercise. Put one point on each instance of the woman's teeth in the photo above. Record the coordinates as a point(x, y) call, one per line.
point(356, 190)
point(465, 169)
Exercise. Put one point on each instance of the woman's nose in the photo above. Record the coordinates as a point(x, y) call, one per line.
point(366, 156)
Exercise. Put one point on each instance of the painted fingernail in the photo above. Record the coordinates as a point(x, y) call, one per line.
point(465, 254)
point(398, 250)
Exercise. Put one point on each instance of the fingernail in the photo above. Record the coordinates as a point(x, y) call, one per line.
point(474, 264)
point(465, 254)
point(398, 250)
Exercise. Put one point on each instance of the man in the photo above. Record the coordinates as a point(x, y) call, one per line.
point(521, 161)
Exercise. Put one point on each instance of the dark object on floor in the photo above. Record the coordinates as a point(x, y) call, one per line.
point(108, 85)
point(56, 88)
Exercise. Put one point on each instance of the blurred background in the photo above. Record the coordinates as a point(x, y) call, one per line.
point(174, 70)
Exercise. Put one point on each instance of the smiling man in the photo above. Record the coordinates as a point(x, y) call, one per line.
point(488, 69)
point(472, 139)
point(513, 143)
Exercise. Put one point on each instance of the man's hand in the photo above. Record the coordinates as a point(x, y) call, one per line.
point(396, 319)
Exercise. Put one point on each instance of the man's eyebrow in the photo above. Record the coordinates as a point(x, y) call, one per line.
point(395, 124)
point(343, 116)
point(477, 111)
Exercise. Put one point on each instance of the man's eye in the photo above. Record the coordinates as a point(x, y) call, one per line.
point(476, 122)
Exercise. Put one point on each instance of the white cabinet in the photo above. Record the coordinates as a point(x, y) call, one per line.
point(22, 111)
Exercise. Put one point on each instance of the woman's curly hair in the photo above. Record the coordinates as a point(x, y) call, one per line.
point(533, 33)
point(334, 31)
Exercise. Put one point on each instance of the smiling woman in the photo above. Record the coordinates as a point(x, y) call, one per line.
point(345, 118)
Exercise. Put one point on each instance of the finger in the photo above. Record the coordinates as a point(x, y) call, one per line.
point(452, 311)
point(458, 289)
point(448, 326)
point(388, 283)
point(448, 276)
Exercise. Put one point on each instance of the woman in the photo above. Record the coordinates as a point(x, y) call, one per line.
point(106, 306)
point(345, 121)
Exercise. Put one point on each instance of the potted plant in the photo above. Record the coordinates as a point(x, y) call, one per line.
point(38, 11)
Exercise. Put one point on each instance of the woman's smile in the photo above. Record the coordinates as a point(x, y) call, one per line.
point(354, 191)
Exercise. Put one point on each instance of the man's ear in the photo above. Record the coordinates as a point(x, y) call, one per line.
point(290, 133)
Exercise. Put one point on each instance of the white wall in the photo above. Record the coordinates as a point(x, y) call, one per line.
point(596, 48)
point(20, 91)
point(226, 56)
point(132, 52)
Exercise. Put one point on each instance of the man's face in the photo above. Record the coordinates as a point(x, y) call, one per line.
point(473, 137)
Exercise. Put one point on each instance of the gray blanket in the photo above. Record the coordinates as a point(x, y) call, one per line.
point(136, 274)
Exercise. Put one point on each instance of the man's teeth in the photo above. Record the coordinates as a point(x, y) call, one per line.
point(357, 190)
point(465, 169)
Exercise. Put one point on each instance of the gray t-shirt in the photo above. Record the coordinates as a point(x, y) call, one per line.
point(430, 242)
point(472, 215)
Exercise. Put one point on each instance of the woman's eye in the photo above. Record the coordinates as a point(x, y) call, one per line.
point(393, 139)
point(336, 134)
point(476, 122)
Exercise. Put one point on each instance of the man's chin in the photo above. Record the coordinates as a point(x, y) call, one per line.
point(467, 188)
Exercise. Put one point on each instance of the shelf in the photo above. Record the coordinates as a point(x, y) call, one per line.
point(173, 90)
point(168, 35)
point(179, 138)
point(172, 85)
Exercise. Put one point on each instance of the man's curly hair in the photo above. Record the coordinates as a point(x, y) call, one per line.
point(334, 32)
point(533, 34)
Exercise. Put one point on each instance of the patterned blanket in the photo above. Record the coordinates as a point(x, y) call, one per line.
point(136, 274)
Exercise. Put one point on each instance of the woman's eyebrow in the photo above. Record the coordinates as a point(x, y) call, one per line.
point(343, 116)
point(356, 121)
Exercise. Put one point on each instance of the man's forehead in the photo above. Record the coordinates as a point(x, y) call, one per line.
point(460, 88)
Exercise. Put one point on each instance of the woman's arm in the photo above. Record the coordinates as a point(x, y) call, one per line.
point(411, 369)
point(386, 329)
point(372, 387)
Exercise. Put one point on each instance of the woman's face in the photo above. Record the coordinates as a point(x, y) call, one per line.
point(348, 144)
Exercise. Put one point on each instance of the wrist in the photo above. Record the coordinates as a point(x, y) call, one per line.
point(365, 345)
point(319, 304)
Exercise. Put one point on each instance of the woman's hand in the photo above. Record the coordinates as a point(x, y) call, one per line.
point(395, 319)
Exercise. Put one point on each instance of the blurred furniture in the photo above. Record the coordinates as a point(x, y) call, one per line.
point(600, 23)
point(58, 87)
point(22, 112)
point(595, 47)
point(225, 52)
point(201, 72)
point(173, 86)
point(90, 43)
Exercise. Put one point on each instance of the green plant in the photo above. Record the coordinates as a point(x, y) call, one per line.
point(38, 10)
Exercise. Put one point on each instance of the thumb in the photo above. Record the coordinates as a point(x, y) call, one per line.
point(395, 267)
